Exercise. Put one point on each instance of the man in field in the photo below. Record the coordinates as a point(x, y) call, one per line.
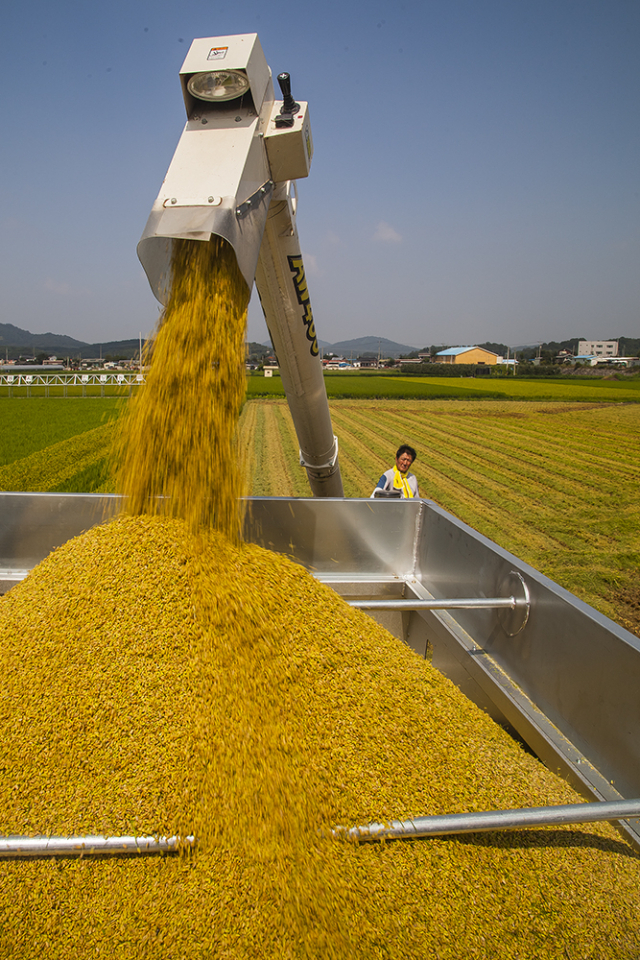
point(398, 482)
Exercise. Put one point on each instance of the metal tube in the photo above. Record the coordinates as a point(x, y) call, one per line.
point(457, 603)
point(491, 820)
point(18, 846)
point(284, 295)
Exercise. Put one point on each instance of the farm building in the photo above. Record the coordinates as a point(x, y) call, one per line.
point(467, 355)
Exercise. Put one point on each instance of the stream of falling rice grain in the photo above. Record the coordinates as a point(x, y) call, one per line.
point(177, 454)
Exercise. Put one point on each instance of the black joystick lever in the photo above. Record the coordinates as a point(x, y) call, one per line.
point(289, 107)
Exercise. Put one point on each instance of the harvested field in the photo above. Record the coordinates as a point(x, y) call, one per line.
point(154, 681)
point(270, 451)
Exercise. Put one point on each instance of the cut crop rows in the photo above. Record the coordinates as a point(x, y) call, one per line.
point(269, 451)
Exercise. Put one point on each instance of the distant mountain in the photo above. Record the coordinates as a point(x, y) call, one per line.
point(364, 345)
point(321, 343)
point(15, 341)
point(372, 345)
point(11, 336)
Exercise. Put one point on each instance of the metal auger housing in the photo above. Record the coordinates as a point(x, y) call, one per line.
point(232, 176)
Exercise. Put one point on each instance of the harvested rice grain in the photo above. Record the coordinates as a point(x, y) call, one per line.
point(155, 680)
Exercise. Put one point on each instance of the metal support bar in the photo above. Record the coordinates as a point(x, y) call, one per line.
point(457, 603)
point(491, 820)
point(17, 846)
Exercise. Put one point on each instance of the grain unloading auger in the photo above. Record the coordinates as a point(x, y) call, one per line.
point(233, 176)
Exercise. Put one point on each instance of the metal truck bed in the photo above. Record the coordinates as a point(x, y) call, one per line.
point(562, 675)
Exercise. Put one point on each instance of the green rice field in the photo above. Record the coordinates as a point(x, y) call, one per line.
point(554, 482)
point(370, 386)
point(57, 445)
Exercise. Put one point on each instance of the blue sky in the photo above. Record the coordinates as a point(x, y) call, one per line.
point(476, 173)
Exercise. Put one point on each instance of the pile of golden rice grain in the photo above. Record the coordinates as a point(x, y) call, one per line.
point(156, 681)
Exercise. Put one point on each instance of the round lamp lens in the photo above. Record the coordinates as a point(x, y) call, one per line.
point(219, 85)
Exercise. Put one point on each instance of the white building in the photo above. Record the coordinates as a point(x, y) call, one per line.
point(598, 348)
